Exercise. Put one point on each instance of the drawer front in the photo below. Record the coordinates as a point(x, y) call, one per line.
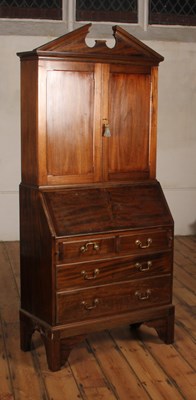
point(97, 273)
point(102, 247)
point(87, 249)
point(113, 299)
point(145, 242)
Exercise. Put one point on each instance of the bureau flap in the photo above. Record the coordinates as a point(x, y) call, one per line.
point(104, 209)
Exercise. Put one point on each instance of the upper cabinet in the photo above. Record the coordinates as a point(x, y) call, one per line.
point(89, 113)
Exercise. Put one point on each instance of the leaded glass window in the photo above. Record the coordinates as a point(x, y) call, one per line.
point(172, 12)
point(107, 10)
point(40, 9)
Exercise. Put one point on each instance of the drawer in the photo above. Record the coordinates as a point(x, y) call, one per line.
point(91, 248)
point(145, 242)
point(105, 272)
point(103, 247)
point(113, 299)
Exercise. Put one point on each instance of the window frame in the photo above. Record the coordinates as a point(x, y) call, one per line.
point(54, 28)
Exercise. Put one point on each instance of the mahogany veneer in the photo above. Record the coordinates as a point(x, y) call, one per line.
point(96, 233)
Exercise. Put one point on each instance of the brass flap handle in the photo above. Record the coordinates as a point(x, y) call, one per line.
point(89, 277)
point(143, 296)
point(89, 308)
point(84, 248)
point(143, 246)
point(144, 266)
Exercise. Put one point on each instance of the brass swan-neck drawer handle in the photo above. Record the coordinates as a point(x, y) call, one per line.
point(84, 248)
point(143, 296)
point(89, 308)
point(89, 277)
point(143, 246)
point(142, 267)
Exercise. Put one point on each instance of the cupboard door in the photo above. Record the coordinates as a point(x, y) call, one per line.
point(70, 130)
point(129, 119)
point(80, 99)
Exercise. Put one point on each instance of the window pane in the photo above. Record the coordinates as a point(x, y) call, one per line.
point(170, 12)
point(106, 10)
point(40, 9)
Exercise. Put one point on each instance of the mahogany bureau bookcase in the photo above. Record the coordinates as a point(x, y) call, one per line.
point(96, 233)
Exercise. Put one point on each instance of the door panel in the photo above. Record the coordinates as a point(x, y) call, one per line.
point(129, 109)
point(70, 136)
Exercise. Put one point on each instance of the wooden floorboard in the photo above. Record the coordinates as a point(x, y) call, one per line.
point(112, 365)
